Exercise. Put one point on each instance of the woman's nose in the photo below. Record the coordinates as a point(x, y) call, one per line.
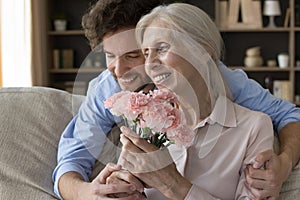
point(152, 60)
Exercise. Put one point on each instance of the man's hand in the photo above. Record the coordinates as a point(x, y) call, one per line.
point(266, 176)
point(267, 183)
point(72, 186)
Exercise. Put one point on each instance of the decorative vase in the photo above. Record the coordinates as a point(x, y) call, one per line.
point(60, 25)
point(253, 61)
point(283, 60)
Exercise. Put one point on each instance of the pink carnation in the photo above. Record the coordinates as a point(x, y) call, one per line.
point(137, 103)
point(158, 111)
point(110, 102)
point(182, 135)
point(165, 95)
point(157, 116)
point(118, 103)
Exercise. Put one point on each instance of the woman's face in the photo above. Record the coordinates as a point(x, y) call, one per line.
point(167, 64)
point(163, 64)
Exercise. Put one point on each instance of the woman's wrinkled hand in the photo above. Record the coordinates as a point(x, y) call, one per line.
point(154, 166)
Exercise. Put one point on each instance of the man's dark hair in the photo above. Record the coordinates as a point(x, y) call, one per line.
point(108, 16)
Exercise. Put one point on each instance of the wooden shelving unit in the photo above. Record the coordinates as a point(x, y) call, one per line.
point(67, 32)
point(72, 38)
point(264, 29)
point(261, 69)
point(271, 40)
point(81, 70)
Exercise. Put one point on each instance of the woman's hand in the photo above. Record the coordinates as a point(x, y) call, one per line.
point(124, 177)
point(153, 166)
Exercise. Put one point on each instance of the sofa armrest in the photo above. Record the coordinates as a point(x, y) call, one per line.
point(31, 122)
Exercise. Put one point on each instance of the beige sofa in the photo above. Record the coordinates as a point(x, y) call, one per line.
point(31, 121)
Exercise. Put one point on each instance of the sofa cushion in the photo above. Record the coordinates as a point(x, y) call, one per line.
point(291, 187)
point(31, 120)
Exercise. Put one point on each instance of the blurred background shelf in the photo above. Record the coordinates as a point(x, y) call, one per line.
point(67, 32)
point(272, 41)
point(77, 70)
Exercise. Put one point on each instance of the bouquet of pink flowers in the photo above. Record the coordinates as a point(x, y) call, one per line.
point(154, 116)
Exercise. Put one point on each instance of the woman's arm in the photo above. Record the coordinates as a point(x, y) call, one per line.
point(261, 139)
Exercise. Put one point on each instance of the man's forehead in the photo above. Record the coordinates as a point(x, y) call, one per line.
point(120, 42)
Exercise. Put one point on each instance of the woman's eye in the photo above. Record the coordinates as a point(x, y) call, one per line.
point(109, 55)
point(133, 55)
point(163, 48)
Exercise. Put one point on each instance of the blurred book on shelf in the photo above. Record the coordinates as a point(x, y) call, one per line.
point(56, 59)
point(63, 58)
point(241, 14)
point(297, 13)
point(223, 16)
point(282, 89)
point(67, 58)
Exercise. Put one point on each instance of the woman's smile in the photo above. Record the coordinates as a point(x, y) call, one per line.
point(160, 78)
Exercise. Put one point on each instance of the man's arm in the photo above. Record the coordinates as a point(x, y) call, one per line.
point(83, 139)
point(250, 94)
point(289, 138)
point(289, 155)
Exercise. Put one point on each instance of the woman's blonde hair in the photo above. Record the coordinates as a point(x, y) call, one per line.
point(189, 20)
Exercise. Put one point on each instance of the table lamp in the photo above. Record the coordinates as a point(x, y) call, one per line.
point(271, 9)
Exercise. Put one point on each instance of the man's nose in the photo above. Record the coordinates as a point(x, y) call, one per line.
point(120, 67)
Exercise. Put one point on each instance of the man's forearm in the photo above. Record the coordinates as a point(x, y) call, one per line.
point(289, 137)
point(69, 185)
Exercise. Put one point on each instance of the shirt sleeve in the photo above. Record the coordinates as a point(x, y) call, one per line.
point(248, 93)
point(260, 139)
point(83, 139)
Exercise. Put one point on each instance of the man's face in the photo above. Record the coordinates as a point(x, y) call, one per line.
point(124, 59)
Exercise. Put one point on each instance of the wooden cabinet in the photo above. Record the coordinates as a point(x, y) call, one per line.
point(72, 38)
point(272, 41)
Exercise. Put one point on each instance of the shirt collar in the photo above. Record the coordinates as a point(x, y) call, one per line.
point(223, 114)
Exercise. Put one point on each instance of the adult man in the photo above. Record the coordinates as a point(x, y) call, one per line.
point(111, 21)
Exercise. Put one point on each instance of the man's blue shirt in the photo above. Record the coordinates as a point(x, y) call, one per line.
point(248, 93)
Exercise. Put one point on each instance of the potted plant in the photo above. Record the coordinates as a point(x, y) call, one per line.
point(60, 22)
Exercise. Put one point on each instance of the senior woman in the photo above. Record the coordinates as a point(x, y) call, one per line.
point(182, 47)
